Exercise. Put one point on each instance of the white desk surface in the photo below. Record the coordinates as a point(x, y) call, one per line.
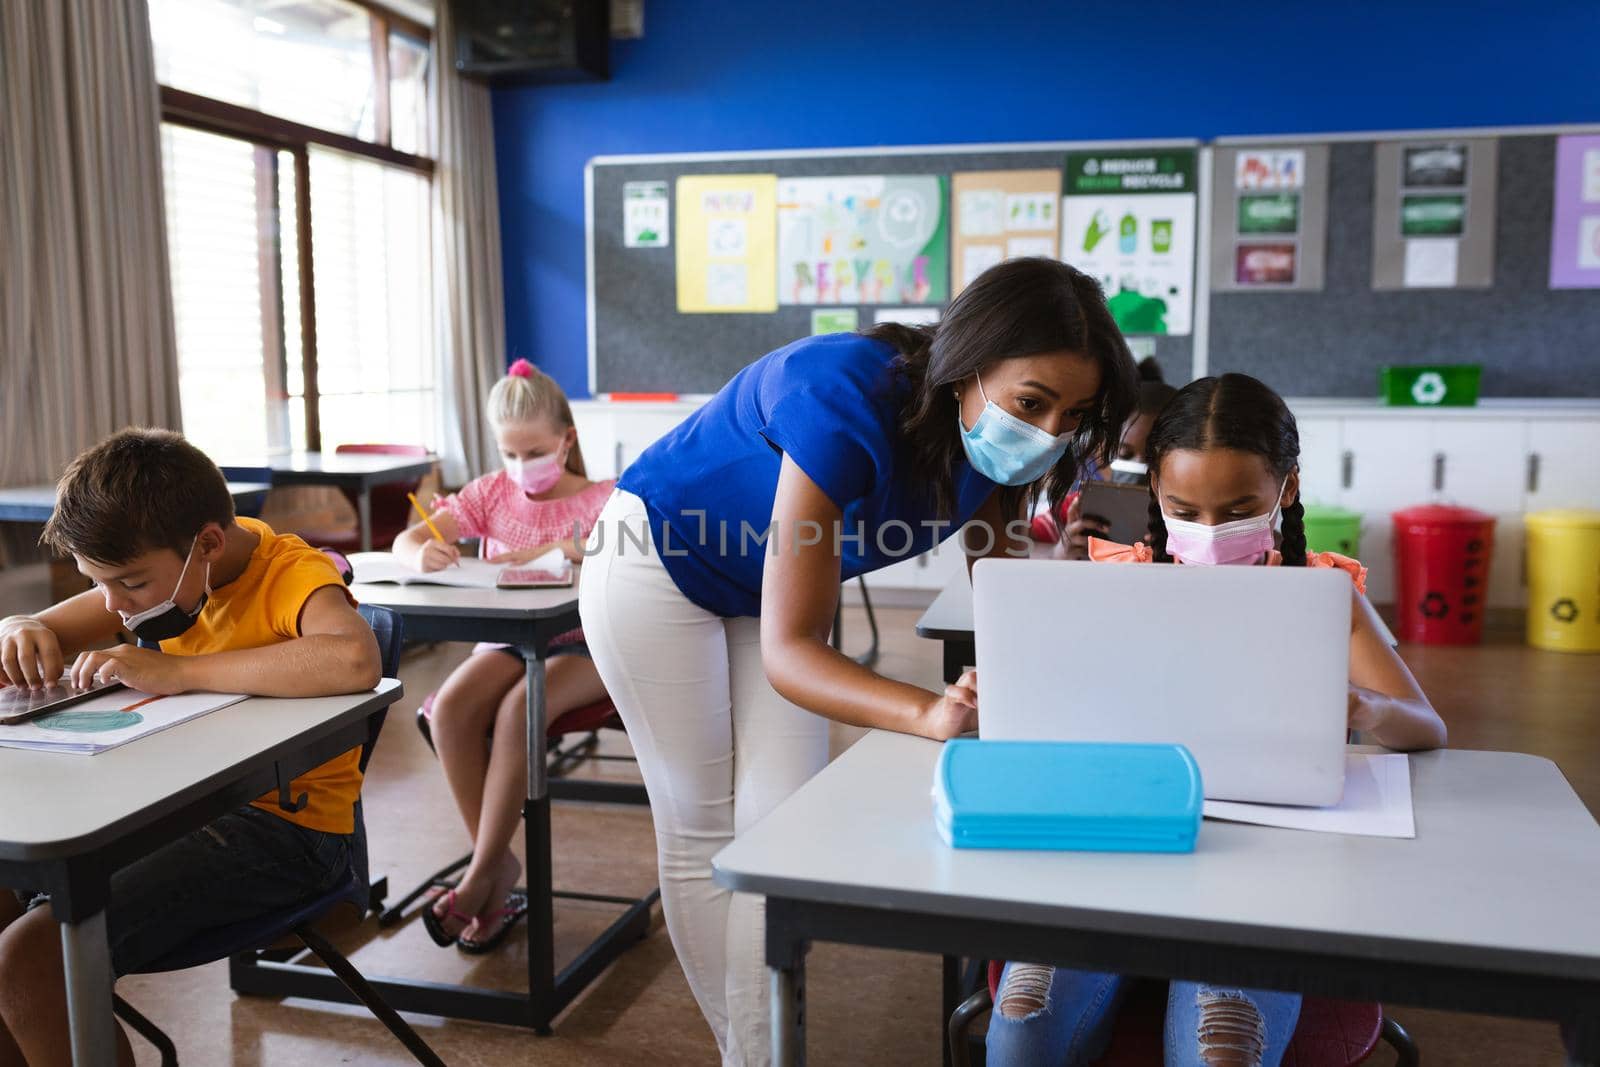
point(950, 614)
point(332, 463)
point(44, 496)
point(51, 798)
point(422, 599)
point(1502, 873)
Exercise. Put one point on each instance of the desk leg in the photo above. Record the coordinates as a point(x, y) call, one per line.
point(957, 655)
point(536, 842)
point(364, 511)
point(788, 1006)
point(86, 953)
point(1582, 1039)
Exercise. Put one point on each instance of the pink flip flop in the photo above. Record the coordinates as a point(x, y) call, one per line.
point(435, 927)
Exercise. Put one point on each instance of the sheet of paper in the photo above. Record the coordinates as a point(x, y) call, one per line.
point(1017, 247)
point(1431, 262)
point(907, 316)
point(975, 259)
point(1575, 222)
point(727, 242)
point(646, 218)
point(834, 320)
point(1000, 215)
point(115, 718)
point(1376, 803)
point(863, 239)
point(982, 213)
point(1128, 221)
point(470, 573)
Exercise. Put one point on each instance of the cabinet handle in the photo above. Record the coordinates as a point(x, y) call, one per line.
point(1347, 469)
point(1438, 472)
point(616, 460)
point(1533, 472)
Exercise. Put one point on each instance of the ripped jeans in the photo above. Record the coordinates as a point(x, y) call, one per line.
point(1053, 1015)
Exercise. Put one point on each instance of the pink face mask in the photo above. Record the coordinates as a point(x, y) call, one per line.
point(1238, 543)
point(539, 475)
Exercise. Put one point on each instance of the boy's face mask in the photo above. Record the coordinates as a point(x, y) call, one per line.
point(167, 620)
point(1237, 543)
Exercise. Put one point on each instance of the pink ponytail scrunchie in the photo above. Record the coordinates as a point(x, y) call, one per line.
point(521, 369)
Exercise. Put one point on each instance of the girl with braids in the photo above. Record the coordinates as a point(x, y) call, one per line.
point(1223, 457)
point(846, 452)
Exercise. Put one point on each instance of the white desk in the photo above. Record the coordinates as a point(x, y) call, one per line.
point(34, 503)
point(528, 619)
point(359, 471)
point(68, 821)
point(1491, 908)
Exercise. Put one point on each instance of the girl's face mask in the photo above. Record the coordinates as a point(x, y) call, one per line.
point(535, 476)
point(1238, 543)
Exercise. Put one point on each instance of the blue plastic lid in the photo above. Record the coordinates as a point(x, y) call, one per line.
point(1063, 794)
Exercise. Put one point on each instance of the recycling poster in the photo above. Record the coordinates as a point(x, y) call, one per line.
point(1128, 220)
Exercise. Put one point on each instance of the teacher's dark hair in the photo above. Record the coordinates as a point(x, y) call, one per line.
point(1019, 308)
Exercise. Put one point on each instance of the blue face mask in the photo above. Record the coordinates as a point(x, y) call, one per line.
point(1007, 450)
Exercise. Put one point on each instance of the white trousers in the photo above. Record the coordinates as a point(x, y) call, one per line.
point(718, 749)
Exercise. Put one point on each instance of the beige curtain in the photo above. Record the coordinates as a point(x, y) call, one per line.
point(468, 294)
point(86, 333)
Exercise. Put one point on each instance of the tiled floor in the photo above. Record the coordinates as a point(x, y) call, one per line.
point(868, 1007)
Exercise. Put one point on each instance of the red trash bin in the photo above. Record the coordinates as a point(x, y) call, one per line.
point(1442, 563)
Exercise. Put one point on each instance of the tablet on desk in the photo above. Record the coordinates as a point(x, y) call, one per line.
point(19, 704)
point(1126, 508)
point(533, 578)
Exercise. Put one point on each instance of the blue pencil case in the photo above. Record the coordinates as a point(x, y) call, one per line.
point(1067, 795)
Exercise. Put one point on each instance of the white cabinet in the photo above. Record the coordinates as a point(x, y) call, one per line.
point(613, 434)
point(1563, 465)
point(1480, 463)
point(1389, 466)
point(1504, 459)
point(1321, 460)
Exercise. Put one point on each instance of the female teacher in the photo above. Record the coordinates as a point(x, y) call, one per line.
point(713, 572)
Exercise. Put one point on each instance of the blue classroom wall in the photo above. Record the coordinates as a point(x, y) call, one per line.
point(724, 75)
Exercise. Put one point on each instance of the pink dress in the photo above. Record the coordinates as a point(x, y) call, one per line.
point(494, 509)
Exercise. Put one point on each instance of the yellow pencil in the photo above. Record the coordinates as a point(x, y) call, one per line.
point(431, 527)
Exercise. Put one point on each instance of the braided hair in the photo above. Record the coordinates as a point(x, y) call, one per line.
point(1237, 412)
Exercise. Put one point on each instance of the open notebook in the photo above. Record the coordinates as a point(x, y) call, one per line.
point(106, 720)
point(550, 569)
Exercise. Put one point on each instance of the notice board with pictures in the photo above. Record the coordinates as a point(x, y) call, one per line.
point(1332, 257)
point(700, 264)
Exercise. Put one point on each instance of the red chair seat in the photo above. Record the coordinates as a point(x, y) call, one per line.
point(391, 509)
point(1330, 1033)
point(601, 714)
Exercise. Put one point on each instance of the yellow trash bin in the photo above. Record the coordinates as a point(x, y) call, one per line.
point(1564, 580)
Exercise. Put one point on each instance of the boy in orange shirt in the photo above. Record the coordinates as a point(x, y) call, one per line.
point(233, 608)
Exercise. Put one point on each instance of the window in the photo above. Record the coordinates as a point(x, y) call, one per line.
point(294, 149)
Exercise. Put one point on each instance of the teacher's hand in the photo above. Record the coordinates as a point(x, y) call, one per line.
point(955, 713)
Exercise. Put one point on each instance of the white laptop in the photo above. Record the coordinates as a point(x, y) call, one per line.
point(1246, 666)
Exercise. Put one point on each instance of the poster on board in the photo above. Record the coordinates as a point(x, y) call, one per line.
point(1128, 219)
point(1575, 223)
point(863, 240)
point(1433, 214)
point(726, 257)
point(1000, 215)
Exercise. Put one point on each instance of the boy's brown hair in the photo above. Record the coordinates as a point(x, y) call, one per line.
point(137, 491)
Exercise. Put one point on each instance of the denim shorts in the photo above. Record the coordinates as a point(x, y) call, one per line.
point(244, 865)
